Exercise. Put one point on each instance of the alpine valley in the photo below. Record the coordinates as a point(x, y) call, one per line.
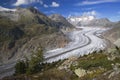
point(35, 46)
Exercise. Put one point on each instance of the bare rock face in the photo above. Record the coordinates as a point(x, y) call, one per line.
point(26, 48)
point(61, 21)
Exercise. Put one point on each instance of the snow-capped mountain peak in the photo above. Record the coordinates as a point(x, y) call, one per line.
point(76, 19)
point(88, 21)
point(81, 18)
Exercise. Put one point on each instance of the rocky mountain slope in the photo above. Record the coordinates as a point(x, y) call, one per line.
point(24, 30)
point(114, 34)
point(27, 16)
point(61, 21)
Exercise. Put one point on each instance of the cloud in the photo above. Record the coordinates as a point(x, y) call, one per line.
point(89, 8)
point(20, 2)
point(74, 14)
point(95, 2)
point(86, 13)
point(92, 13)
point(55, 4)
point(36, 7)
point(25, 2)
point(45, 5)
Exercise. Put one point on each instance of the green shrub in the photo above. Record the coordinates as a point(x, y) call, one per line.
point(20, 67)
point(35, 62)
point(95, 60)
point(30, 66)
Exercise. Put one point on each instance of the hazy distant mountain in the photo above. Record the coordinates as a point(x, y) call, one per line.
point(76, 20)
point(97, 22)
point(89, 21)
point(60, 20)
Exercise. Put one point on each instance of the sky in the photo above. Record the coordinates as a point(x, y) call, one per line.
point(100, 8)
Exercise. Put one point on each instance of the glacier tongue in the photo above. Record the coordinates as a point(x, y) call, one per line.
point(84, 41)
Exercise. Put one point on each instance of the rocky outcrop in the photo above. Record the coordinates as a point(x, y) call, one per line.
point(80, 72)
point(61, 21)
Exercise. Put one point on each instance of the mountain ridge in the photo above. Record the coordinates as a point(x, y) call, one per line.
point(89, 21)
point(61, 21)
point(23, 35)
point(113, 34)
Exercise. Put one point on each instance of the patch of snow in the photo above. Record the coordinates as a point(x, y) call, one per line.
point(6, 9)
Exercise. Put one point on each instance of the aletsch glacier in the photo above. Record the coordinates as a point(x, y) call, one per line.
point(83, 42)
